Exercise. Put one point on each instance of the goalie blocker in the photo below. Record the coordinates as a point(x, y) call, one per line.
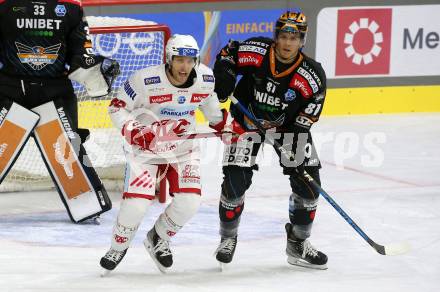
point(77, 183)
point(16, 125)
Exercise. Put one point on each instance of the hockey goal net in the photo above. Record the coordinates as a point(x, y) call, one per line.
point(134, 44)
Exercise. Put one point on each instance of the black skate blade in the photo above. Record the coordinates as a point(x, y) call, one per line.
point(149, 248)
point(302, 263)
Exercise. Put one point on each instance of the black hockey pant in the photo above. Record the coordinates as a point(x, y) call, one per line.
point(236, 181)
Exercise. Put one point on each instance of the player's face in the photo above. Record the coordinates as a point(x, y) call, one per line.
point(288, 44)
point(181, 68)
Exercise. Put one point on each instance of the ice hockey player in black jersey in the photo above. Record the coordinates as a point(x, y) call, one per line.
point(284, 90)
point(43, 46)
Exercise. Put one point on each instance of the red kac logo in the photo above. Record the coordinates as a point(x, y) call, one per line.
point(363, 41)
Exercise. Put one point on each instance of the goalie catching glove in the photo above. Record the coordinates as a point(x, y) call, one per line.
point(96, 73)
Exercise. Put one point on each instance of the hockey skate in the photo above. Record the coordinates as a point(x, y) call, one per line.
point(111, 259)
point(225, 251)
point(159, 250)
point(302, 253)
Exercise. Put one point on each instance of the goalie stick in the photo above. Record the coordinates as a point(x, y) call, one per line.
point(390, 249)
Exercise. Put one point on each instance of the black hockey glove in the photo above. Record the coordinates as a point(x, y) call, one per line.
point(110, 69)
point(294, 171)
point(224, 82)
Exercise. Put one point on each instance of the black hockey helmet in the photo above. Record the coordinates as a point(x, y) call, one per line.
point(292, 21)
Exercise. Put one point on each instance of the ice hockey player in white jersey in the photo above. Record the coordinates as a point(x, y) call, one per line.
point(156, 104)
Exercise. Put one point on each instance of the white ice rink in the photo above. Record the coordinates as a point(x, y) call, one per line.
point(390, 186)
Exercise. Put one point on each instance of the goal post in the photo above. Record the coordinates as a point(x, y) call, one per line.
point(135, 44)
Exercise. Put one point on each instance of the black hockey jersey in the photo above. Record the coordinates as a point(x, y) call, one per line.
point(289, 97)
point(38, 38)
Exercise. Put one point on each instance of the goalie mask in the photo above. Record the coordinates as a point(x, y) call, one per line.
point(182, 45)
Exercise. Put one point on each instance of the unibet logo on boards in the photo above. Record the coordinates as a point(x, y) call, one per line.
point(363, 41)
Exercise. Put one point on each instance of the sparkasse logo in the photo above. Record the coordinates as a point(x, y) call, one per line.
point(363, 41)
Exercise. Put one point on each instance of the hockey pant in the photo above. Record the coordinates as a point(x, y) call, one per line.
point(139, 193)
point(77, 183)
point(239, 162)
point(16, 126)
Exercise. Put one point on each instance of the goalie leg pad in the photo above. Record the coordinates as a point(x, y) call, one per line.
point(79, 186)
point(16, 125)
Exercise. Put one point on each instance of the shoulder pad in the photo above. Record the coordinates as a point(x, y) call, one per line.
point(203, 69)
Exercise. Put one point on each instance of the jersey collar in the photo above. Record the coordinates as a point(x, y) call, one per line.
point(285, 72)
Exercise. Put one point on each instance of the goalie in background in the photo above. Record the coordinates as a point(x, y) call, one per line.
point(43, 44)
point(154, 105)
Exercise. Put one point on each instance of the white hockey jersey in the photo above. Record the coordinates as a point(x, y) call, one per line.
point(149, 98)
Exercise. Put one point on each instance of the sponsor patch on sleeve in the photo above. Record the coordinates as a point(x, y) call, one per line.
point(254, 49)
point(309, 78)
point(304, 121)
point(300, 84)
point(249, 59)
point(208, 78)
point(152, 80)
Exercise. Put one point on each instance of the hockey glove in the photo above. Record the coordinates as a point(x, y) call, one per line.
point(219, 126)
point(137, 134)
point(224, 82)
point(294, 171)
point(237, 131)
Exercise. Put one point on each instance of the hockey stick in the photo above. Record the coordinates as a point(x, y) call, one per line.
point(195, 136)
point(391, 249)
point(192, 136)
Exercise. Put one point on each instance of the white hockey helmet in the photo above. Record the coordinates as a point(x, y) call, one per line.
point(182, 45)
